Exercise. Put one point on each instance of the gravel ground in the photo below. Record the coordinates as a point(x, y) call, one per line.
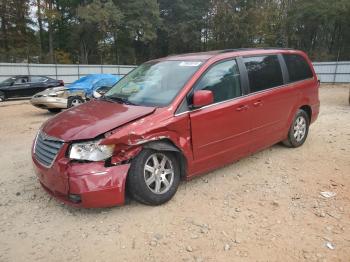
point(266, 207)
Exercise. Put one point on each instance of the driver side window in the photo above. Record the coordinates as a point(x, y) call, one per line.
point(21, 80)
point(223, 80)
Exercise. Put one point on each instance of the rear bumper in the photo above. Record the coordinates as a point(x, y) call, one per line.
point(49, 102)
point(315, 109)
point(94, 184)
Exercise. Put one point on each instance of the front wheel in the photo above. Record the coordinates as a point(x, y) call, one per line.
point(299, 130)
point(74, 101)
point(2, 97)
point(154, 177)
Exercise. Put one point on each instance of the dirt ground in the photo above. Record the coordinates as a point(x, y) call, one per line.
point(266, 207)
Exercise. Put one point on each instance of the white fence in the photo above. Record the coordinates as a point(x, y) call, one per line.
point(67, 73)
point(328, 72)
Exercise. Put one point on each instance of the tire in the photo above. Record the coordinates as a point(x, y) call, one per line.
point(299, 130)
point(54, 110)
point(152, 194)
point(2, 97)
point(74, 101)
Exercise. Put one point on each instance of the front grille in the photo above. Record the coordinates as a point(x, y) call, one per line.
point(46, 149)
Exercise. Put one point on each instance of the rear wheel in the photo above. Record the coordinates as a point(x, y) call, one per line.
point(74, 101)
point(2, 97)
point(299, 130)
point(54, 110)
point(154, 177)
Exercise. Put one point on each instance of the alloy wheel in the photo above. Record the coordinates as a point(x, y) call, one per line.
point(158, 173)
point(299, 129)
point(76, 102)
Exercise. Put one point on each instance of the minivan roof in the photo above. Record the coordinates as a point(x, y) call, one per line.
point(211, 54)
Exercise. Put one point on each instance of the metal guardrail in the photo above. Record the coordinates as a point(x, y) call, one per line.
point(328, 72)
point(333, 72)
point(67, 73)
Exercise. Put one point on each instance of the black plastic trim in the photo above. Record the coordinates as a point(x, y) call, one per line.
point(284, 68)
point(244, 76)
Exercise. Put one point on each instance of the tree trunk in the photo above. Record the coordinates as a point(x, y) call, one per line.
point(116, 48)
point(5, 44)
point(41, 31)
point(84, 53)
point(51, 54)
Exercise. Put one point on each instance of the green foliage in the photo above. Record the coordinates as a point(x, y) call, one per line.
point(105, 14)
point(133, 31)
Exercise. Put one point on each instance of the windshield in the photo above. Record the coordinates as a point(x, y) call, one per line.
point(105, 82)
point(154, 83)
point(8, 80)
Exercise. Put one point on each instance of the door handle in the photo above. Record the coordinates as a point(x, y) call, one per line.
point(241, 108)
point(257, 103)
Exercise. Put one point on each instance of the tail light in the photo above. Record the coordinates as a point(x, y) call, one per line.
point(61, 82)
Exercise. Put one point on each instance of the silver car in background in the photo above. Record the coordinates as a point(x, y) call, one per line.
point(58, 98)
point(82, 90)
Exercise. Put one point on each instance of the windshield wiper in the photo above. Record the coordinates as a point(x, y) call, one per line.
point(118, 99)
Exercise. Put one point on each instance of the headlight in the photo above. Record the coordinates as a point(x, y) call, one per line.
point(58, 92)
point(91, 151)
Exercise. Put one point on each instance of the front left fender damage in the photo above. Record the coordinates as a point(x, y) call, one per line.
point(102, 184)
point(168, 135)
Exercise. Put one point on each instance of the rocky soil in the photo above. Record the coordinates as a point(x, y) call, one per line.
point(266, 207)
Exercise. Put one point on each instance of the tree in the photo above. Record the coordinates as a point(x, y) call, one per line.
point(16, 37)
point(107, 16)
point(183, 25)
point(133, 31)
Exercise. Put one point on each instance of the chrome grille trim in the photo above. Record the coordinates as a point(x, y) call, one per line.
point(46, 149)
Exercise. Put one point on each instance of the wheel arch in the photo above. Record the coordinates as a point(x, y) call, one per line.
point(308, 110)
point(304, 106)
point(167, 145)
point(3, 94)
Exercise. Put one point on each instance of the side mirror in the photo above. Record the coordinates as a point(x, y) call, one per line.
point(202, 98)
point(100, 91)
point(96, 94)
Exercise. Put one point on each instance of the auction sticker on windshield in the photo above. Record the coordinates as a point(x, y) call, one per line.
point(186, 63)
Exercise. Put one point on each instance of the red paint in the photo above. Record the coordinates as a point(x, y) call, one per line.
point(202, 98)
point(97, 185)
point(208, 137)
point(92, 119)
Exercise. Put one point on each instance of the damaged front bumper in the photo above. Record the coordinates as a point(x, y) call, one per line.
point(49, 102)
point(88, 185)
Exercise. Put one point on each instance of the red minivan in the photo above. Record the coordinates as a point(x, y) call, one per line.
point(175, 118)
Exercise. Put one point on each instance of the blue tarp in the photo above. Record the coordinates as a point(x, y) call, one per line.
point(91, 82)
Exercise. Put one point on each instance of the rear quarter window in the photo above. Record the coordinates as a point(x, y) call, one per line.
point(298, 68)
point(35, 79)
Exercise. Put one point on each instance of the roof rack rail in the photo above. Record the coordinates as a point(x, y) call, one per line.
point(252, 49)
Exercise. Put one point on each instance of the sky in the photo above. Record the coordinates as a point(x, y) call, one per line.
point(32, 13)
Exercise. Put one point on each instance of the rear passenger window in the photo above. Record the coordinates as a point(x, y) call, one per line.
point(298, 68)
point(35, 79)
point(264, 72)
point(223, 80)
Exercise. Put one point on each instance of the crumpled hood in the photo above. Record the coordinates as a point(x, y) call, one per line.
point(50, 91)
point(79, 87)
point(92, 119)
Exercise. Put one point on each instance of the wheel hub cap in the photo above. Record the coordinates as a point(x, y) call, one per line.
point(158, 173)
point(299, 128)
point(76, 102)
